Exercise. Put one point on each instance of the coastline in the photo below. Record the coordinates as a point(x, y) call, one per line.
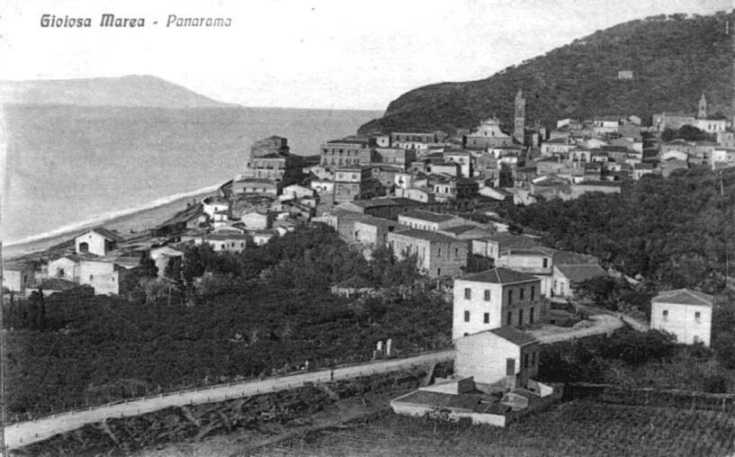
point(125, 222)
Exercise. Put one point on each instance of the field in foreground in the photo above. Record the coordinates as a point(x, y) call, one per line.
point(578, 428)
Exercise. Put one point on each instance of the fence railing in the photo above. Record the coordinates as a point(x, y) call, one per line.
point(325, 365)
point(681, 399)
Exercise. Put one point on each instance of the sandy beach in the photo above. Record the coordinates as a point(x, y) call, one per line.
point(126, 225)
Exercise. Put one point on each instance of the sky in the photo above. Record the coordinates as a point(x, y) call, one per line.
point(308, 54)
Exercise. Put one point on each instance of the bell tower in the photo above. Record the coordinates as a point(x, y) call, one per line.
point(519, 115)
point(702, 112)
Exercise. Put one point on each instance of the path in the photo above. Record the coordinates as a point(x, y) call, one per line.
point(24, 433)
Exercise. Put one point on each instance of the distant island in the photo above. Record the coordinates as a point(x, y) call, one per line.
point(125, 91)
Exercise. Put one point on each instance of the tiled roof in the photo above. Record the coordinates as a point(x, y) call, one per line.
point(684, 297)
point(499, 276)
point(109, 234)
point(579, 273)
point(573, 258)
point(427, 216)
point(427, 235)
point(513, 335)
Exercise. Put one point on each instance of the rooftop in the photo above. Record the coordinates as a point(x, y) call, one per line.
point(499, 276)
point(514, 335)
point(580, 273)
point(427, 216)
point(109, 234)
point(427, 235)
point(684, 297)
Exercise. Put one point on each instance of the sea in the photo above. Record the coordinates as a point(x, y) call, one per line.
point(67, 167)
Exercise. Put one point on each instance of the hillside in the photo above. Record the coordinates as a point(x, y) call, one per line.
point(126, 91)
point(674, 59)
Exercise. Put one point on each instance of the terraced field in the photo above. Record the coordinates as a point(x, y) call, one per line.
point(579, 428)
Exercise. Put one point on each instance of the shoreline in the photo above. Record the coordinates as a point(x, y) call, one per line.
point(125, 222)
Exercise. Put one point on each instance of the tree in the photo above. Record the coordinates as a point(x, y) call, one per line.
point(148, 268)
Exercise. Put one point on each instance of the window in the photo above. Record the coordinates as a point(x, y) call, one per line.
point(533, 293)
point(525, 360)
point(456, 252)
point(509, 318)
point(520, 317)
point(510, 297)
point(696, 339)
point(532, 311)
point(466, 316)
point(486, 318)
point(697, 315)
point(439, 252)
point(523, 289)
point(533, 359)
point(468, 293)
point(487, 295)
point(666, 314)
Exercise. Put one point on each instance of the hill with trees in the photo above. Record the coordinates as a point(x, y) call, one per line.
point(674, 59)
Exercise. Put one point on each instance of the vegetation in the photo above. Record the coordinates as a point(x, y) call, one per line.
point(275, 313)
point(674, 60)
point(579, 428)
point(671, 233)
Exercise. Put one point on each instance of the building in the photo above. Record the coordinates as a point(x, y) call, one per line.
point(17, 276)
point(566, 276)
point(224, 242)
point(685, 313)
point(100, 275)
point(373, 231)
point(436, 254)
point(504, 357)
point(350, 183)
point(413, 140)
point(399, 157)
point(492, 246)
point(426, 220)
point(495, 298)
point(349, 151)
point(98, 241)
point(270, 159)
point(488, 135)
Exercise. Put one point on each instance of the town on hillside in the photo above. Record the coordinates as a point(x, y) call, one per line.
point(433, 197)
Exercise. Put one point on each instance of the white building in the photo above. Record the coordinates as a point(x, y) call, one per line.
point(99, 241)
point(685, 313)
point(505, 357)
point(101, 275)
point(495, 298)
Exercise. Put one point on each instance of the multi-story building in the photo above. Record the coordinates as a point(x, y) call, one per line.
point(350, 151)
point(436, 254)
point(685, 313)
point(413, 140)
point(495, 298)
point(270, 159)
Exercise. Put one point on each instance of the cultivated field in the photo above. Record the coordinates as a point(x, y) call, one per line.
point(579, 428)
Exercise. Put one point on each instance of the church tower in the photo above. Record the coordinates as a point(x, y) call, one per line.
point(702, 113)
point(519, 115)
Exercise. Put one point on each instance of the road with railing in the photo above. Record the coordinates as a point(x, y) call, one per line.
point(24, 433)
